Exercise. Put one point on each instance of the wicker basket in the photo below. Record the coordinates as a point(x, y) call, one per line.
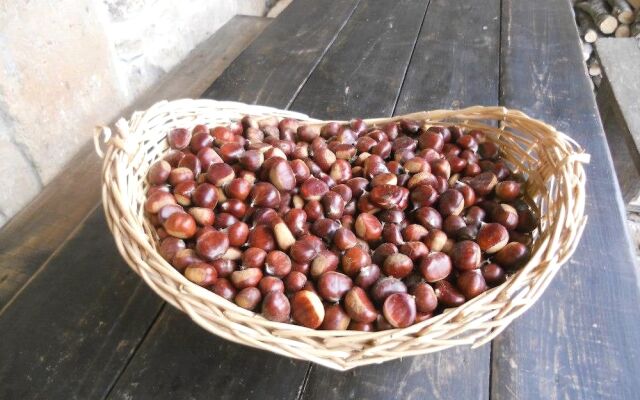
point(552, 161)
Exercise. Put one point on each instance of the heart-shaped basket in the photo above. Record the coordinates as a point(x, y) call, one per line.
point(552, 161)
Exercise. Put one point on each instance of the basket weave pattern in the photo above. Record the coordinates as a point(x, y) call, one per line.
point(552, 161)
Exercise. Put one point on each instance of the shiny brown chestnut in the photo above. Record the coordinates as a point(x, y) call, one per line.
point(276, 307)
point(466, 255)
point(435, 267)
point(492, 237)
point(335, 318)
point(248, 298)
point(358, 305)
point(332, 286)
point(426, 299)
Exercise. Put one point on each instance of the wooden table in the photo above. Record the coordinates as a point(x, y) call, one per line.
point(86, 327)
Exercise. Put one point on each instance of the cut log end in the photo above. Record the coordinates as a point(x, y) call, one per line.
point(590, 36)
point(608, 25)
point(626, 17)
point(623, 31)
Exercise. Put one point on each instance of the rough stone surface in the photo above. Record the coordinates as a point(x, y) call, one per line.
point(68, 65)
point(151, 36)
point(22, 183)
point(53, 86)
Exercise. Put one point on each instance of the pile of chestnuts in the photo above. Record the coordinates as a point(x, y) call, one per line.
point(339, 226)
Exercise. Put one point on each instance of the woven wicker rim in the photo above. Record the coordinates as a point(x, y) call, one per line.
point(552, 160)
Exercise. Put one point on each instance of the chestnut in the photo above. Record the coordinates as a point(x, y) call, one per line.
point(269, 284)
point(205, 195)
point(282, 176)
point(170, 246)
point(435, 267)
point(238, 188)
point(484, 183)
point(354, 259)
point(382, 252)
point(313, 189)
point(368, 227)
point(493, 274)
point(333, 205)
point(159, 172)
point(276, 307)
point(513, 255)
point(180, 225)
point(303, 251)
point(332, 285)
point(157, 201)
point(202, 274)
point(505, 215)
point(367, 276)
point(361, 326)
point(253, 257)
point(277, 263)
point(248, 298)
point(307, 309)
point(358, 305)
point(492, 237)
point(335, 318)
point(389, 197)
point(184, 258)
point(246, 277)
point(295, 281)
point(223, 267)
point(385, 287)
point(447, 294)
point(425, 296)
point(223, 288)
point(435, 240)
point(202, 216)
point(508, 190)
point(220, 174)
point(344, 239)
point(424, 195)
point(471, 284)
point(265, 195)
point(325, 261)
point(414, 250)
point(428, 217)
point(466, 255)
point(212, 245)
point(399, 309)
point(179, 138)
point(414, 232)
point(262, 236)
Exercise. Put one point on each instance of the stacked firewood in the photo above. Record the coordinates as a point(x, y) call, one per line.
point(602, 18)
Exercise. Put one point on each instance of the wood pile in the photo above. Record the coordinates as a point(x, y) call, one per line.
point(604, 18)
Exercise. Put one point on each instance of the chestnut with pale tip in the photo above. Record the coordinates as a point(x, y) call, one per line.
point(492, 237)
point(307, 309)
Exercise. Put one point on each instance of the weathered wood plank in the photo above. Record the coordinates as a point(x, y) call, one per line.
point(72, 329)
point(278, 63)
point(361, 74)
point(620, 109)
point(180, 360)
point(438, 76)
point(202, 363)
point(28, 239)
point(582, 339)
point(624, 153)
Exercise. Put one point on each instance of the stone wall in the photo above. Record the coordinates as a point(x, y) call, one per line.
point(66, 65)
